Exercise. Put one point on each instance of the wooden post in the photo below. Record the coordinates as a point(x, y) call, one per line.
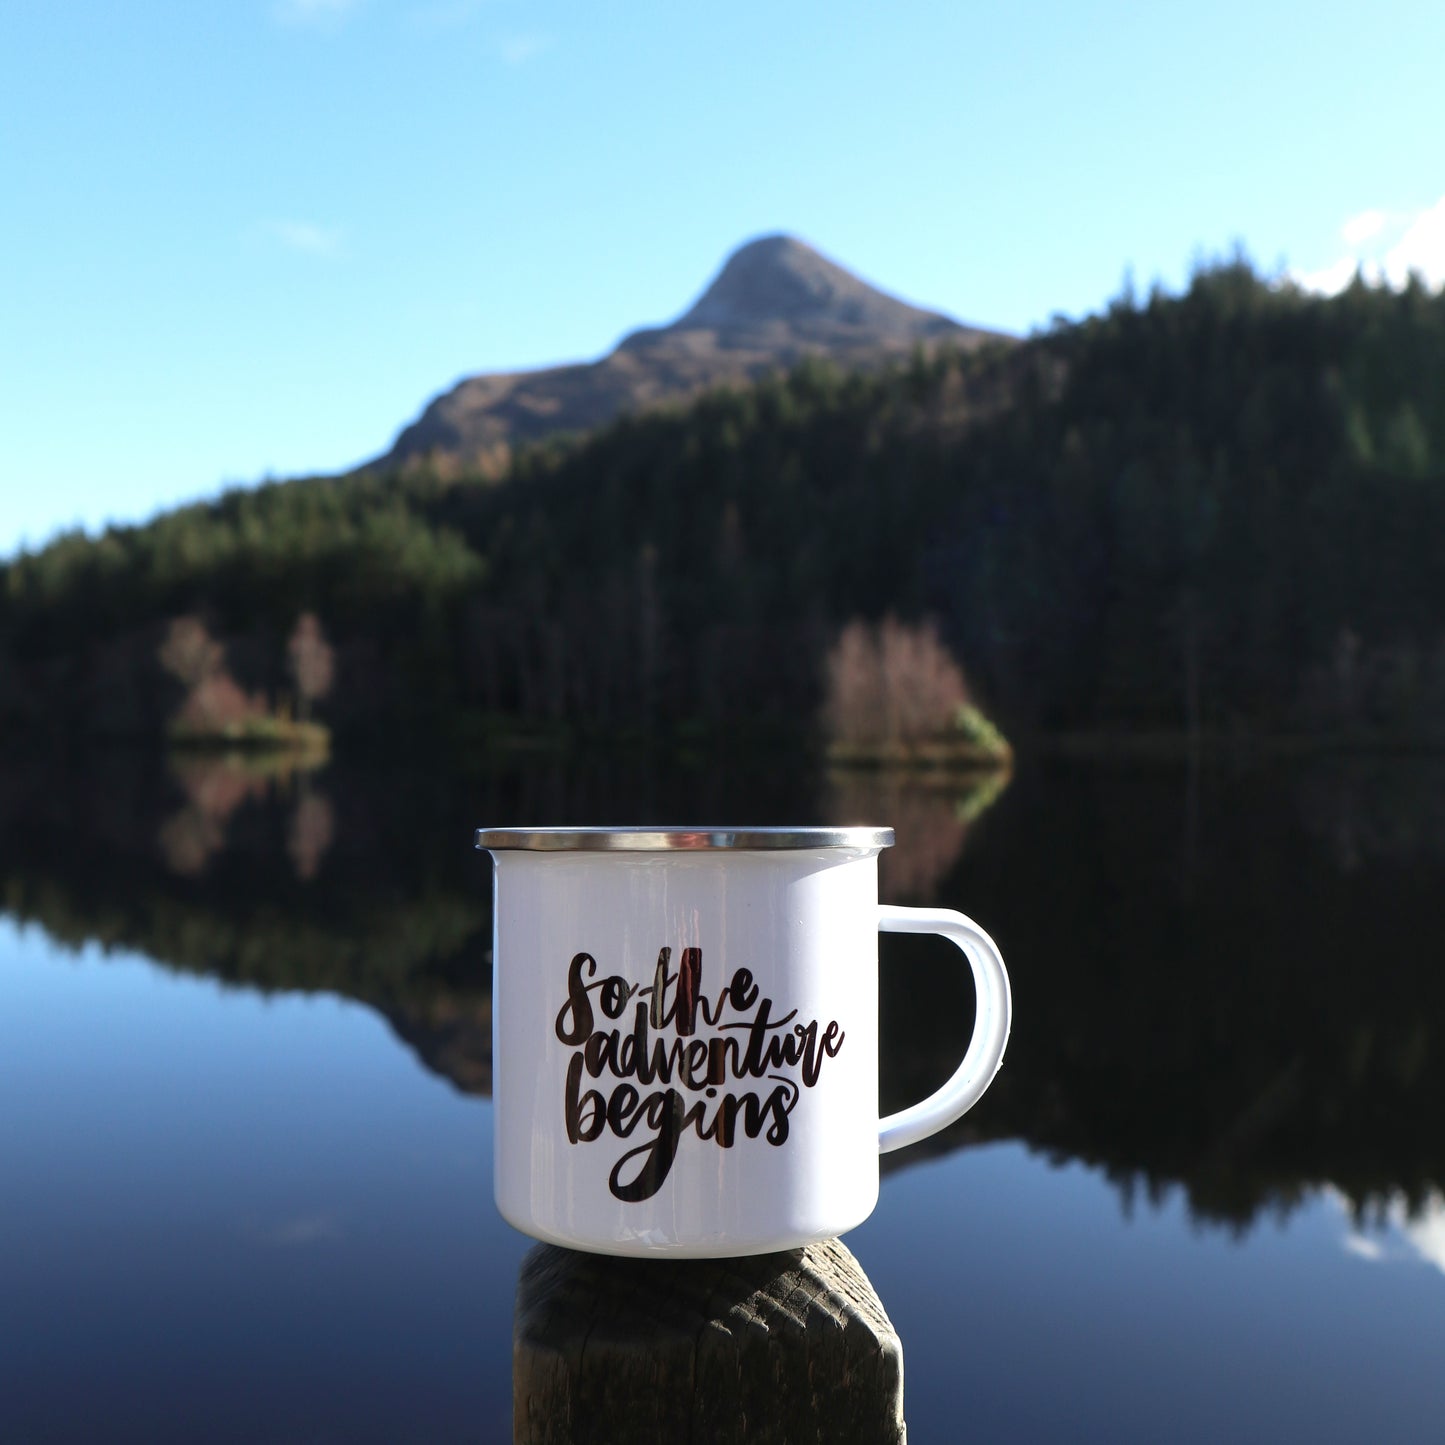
point(775, 1349)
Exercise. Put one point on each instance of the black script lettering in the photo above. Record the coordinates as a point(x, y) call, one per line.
point(664, 1113)
point(689, 976)
point(615, 993)
point(622, 1115)
point(574, 1020)
point(600, 1052)
point(659, 989)
point(578, 1006)
point(692, 1072)
point(779, 1104)
point(717, 1059)
point(742, 991)
point(586, 1113)
point(694, 1065)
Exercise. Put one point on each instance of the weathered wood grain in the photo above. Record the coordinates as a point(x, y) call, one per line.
point(777, 1349)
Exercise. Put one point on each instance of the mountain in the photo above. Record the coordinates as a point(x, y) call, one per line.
point(1215, 516)
point(774, 302)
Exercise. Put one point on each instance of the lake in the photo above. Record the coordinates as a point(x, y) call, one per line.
point(245, 1067)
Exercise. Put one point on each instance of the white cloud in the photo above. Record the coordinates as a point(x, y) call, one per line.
point(318, 14)
point(1420, 249)
point(1387, 247)
point(303, 1229)
point(305, 237)
point(1366, 1248)
point(1402, 1233)
point(1359, 229)
point(518, 49)
point(1328, 280)
point(1425, 1229)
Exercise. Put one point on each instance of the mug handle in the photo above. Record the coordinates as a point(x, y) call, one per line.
point(990, 1026)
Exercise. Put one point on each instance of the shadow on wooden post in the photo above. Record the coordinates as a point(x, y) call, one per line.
point(775, 1349)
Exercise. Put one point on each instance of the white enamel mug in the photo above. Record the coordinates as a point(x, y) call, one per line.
point(685, 1035)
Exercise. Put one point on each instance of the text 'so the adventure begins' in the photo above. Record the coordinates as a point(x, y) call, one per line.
point(655, 1075)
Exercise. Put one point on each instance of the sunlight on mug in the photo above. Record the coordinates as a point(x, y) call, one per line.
point(685, 1034)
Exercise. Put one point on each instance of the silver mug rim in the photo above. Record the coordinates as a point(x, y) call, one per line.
point(671, 839)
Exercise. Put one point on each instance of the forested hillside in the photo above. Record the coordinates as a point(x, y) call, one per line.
point(1223, 510)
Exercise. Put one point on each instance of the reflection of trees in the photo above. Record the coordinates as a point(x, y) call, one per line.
point(451, 1033)
point(214, 788)
point(1267, 1025)
point(931, 814)
point(398, 917)
point(1233, 1007)
point(1398, 1225)
point(1383, 809)
point(313, 824)
point(216, 785)
point(213, 864)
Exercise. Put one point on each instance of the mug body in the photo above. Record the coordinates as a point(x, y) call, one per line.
point(685, 1039)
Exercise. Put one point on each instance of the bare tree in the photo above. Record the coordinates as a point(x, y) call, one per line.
point(189, 654)
point(216, 703)
point(214, 700)
point(312, 661)
point(891, 683)
point(852, 709)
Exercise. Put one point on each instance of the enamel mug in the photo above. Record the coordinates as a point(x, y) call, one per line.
point(685, 1035)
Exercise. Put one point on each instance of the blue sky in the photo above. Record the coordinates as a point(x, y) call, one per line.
point(255, 237)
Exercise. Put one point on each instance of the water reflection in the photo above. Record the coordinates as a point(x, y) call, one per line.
point(931, 814)
point(216, 785)
point(231, 1216)
point(1262, 1023)
point(1398, 1229)
point(1225, 980)
point(1377, 810)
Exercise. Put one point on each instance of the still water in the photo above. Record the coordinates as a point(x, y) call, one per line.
point(245, 1145)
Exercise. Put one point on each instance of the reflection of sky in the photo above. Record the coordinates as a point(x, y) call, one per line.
point(228, 1214)
point(1399, 1232)
point(1028, 1301)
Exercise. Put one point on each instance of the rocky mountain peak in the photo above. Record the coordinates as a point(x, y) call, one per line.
point(775, 278)
point(775, 301)
point(778, 286)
